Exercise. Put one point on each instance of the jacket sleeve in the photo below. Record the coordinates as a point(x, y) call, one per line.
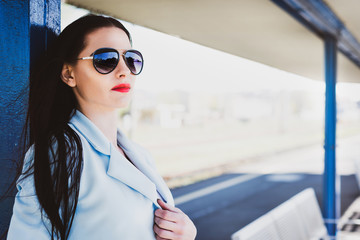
point(26, 221)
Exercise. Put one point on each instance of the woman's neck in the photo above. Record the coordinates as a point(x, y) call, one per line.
point(106, 121)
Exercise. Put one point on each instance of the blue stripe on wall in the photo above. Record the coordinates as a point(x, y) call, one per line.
point(25, 27)
point(14, 64)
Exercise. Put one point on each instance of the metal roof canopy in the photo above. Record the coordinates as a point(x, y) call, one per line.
point(256, 30)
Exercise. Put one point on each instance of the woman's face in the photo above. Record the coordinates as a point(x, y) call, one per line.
point(94, 91)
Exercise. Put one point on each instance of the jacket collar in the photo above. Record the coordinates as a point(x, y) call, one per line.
point(91, 132)
point(142, 177)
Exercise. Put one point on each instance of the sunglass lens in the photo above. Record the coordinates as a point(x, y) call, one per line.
point(134, 61)
point(105, 60)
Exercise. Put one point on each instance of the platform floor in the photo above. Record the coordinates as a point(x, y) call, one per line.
point(222, 205)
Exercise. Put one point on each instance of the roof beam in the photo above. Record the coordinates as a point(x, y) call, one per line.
point(319, 18)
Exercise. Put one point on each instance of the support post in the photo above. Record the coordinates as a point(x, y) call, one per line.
point(26, 26)
point(330, 196)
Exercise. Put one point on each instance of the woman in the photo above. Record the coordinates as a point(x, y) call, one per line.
point(82, 178)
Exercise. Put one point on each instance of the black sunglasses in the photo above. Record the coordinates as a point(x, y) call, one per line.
point(105, 60)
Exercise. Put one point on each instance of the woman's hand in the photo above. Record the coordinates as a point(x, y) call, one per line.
point(171, 223)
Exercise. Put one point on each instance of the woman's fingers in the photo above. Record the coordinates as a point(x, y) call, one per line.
point(159, 238)
point(166, 215)
point(171, 223)
point(166, 206)
point(163, 233)
point(164, 224)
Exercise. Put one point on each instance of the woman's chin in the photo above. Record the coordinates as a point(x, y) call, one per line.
point(122, 105)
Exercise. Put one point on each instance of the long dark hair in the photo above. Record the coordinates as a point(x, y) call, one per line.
point(57, 151)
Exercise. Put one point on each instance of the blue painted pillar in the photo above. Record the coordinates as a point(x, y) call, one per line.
point(26, 26)
point(331, 196)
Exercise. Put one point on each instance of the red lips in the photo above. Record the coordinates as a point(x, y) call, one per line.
point(124, 87)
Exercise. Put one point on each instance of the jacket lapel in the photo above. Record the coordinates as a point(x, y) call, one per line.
point(121, 169)
point(142, 161)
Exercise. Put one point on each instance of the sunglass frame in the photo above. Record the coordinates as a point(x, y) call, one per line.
point(118, 59)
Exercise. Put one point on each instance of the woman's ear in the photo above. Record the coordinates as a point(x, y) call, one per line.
point(67, 75)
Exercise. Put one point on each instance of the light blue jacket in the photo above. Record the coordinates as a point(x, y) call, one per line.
point(116, 200)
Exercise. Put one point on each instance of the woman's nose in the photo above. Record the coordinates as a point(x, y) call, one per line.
point(122, 69)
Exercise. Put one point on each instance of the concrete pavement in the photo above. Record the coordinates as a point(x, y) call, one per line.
point(222, 205)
